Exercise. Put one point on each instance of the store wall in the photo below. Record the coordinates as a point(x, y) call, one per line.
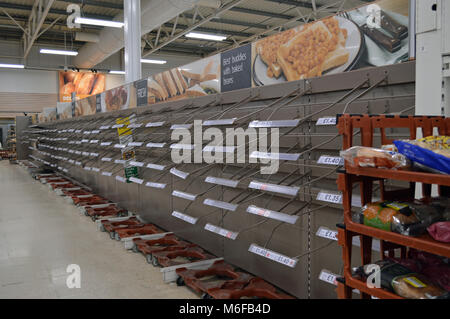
point(32, 90)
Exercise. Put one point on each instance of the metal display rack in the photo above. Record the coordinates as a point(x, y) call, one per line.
point(271, 225)
point(366, 178)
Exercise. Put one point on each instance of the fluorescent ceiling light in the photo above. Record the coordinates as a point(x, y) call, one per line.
point(58, 52)
point(103, 23)
point(11, 66)
point(117, 72)
point(153, 61)
point(206, 36)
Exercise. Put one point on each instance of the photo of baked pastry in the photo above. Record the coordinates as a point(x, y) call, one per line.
point(64, 110)
point(200, 78)
point(86, 106)
point(116, 99)
point(83, 84)
point(326, 46)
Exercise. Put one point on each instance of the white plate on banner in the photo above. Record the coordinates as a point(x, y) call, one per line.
point(377, 55)
point(354, 44)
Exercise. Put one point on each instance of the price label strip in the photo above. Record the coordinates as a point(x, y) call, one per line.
point(155, 185)
point(138, 164)
point(331, 160)
point(274, 188)
point(178, 173)
point(328, 277)
point(219, 149)
point(326, 121)
point(275, 156)
point(221, 231)
point(272, 214)
point(220, 204)
point(272, 255)
point(155, 124)
point(156, 167)
point(327, 233)
point(184, 195)
point(121, 179)
point(221, 181)
point(136, 180)
point(267, 124)
point(219, 122)
point(184, 217)
point(325, 196)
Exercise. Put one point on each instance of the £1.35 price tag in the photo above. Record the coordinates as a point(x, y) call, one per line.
point(329, 197)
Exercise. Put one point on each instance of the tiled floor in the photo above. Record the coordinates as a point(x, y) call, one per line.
point(41, 234)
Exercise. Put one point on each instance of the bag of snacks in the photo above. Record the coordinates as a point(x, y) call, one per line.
point(409, 219)
point(404, 282)
point(431, 153)
point(374, 157)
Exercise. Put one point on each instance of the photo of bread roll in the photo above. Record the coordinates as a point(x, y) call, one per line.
point(68, 89)
point(84, 86)
point(82, 83)
point(99, 85)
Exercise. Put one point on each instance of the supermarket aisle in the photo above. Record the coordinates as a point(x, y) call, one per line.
point(41, 234)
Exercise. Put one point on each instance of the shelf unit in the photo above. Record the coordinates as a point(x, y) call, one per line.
point(11, 143)
point(366, 177)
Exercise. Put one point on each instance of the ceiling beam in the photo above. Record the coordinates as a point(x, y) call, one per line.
point(8, 5)
point(108, 5)
point(262, 13)
point(35, 22)
point(194, 27)
point(211, 30)
point(302, 4)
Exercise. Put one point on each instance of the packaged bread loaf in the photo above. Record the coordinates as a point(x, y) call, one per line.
point(403, 281)
point(374, 157)
point(409, 219)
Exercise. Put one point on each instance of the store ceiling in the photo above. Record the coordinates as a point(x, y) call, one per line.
point(243, 23)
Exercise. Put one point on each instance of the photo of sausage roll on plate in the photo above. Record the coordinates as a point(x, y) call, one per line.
point(193, 80)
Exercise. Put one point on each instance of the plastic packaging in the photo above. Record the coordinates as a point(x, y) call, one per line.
point(440, 231)
point(405, 282)
point(374, 157)
point(431, 153)
point(409, 219)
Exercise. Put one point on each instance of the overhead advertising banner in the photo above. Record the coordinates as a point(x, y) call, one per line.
point(236, 69)
point(196, 79)
point(372, 35)
point(83, 84)
point(120, 98)
point(141, 92)
point(49, 114)
point(64, 110)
